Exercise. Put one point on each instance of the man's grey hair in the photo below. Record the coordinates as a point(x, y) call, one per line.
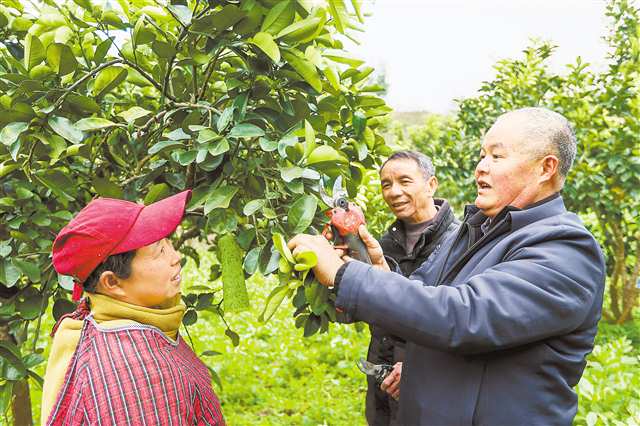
point(550, 132)
point(424, 163)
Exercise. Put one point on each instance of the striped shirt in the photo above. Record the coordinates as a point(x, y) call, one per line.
point(134, 375)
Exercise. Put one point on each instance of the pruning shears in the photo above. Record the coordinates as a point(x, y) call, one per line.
point(378, 371)
point(345, 218)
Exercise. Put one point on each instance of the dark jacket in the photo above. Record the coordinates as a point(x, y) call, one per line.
point(383, 344)
point(497, 332)
point(385, 348)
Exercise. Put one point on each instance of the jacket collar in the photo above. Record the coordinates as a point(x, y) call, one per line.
point(547, 207)
point(443, 218)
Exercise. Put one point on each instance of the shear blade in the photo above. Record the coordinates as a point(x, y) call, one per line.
point(338, 189)
point(367, 367)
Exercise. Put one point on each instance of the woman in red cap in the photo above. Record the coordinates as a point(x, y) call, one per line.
point(119, 359)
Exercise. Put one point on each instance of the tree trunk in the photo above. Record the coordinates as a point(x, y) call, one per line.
point(21, 400)
point(21, 404)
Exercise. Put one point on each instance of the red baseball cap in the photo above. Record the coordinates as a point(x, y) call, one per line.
point(108, 226)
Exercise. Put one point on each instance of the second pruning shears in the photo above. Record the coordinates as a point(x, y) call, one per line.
point(378, 371)
point(345, 218)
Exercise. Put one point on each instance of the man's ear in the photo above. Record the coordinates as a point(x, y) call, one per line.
point(432, 185)
point(549, 169)
point(110, 285)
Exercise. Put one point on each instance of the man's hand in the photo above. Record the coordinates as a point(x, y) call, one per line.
point(391, 384)
point(329, 258)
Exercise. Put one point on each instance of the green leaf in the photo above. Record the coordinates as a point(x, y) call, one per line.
point(302, 212)
point(305, 261)
point(93, 123)
point(290, 173)
point(108, 79)
point(281, 245)
point(61, 307)
point(218, 147)
point(58, 182)
point(183, 13)
point(280, 16)
point(305, 68)
point(65, 282)
point(66, 129)
point(356, 7)
point(332, 75)
point(190, 317)
point(101, 51)
point(218, 21)
point(187, 157)
point(9, 274)
point(250, 263)
point(141, 34)
point(253, 206)
point(163, 50)
point(82, 103)
point(11, 354)
point(341, 57)
point(246, 130)
point(157, 192)
point(234, 287)
point(339, 12)
point(29, 304)
point(274, 300)
point(31, 270)
point(309, 137)
point(325, 153)
point(61, 59)
point(11, 132)
point(105, 188)
point(235, 339)
point(300, 30)
point(133, 113)
point(359, 122)
point(312, 325)
point(159, 146)
point(178, 134)
point(265, 42)
point(34, 51)
point(220, 198)
point(224, 119)
point(5, 248)
point(268, 145)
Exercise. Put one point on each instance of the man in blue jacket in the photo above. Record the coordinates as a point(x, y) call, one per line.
point(499, 320)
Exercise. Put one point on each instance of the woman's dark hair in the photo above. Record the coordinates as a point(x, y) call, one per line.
point(119, 264)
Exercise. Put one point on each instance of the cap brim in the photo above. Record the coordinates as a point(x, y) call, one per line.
point(155, 222)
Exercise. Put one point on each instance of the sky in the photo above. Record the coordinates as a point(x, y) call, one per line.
point(434, 51)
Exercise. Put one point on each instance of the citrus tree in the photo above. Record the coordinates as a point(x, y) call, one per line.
point(252, 104)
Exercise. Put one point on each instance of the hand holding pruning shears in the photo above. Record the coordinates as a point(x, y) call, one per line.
point(345, 219)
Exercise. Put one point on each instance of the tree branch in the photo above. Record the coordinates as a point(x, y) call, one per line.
point(84, 78)
point(147, 77)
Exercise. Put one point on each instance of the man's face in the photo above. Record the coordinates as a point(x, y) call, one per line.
point(406, 191)
point(506, 173)
point(155, 275)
